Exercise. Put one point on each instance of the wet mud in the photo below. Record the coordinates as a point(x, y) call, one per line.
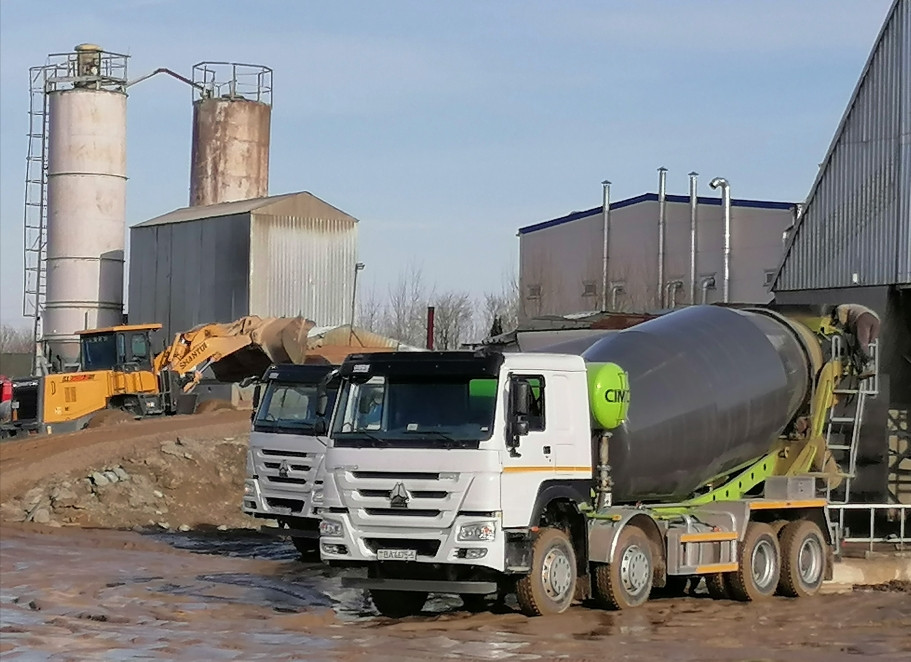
point(79, 594)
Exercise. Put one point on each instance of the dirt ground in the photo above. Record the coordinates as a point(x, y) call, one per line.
point(73, 587)
point(182, 471)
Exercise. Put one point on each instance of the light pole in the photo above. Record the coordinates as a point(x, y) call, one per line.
point(357, 267)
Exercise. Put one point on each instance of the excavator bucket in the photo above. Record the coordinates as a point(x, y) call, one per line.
point(271, 340)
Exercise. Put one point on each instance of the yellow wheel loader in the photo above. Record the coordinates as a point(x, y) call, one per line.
point(119, 376)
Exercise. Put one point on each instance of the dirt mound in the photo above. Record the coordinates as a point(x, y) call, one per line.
point(181, 472)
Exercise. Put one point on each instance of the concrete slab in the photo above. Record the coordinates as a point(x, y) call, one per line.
point(850, 572)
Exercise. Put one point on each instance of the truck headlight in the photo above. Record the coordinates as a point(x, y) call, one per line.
point(330, 528)
point(317, 496)
point(477, 532)
point(251, 469)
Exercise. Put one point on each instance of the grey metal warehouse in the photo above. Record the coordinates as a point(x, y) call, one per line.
point(852, 243)
point(562, 266)
point(282, 255)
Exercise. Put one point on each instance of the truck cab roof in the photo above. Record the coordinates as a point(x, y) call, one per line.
point(297, 374)
point(455, 363)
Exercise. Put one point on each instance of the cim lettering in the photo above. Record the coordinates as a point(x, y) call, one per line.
point(616, 395)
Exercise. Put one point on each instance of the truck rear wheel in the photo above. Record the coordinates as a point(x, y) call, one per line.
point(627, 580)
point(551, 585)
point(398, 604)
point(759, 560)
point(803, 559)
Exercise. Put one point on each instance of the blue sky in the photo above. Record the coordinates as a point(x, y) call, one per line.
point(445, 127)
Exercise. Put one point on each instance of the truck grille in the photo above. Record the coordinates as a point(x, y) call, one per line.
point(422, 547)
point(402, 512)
point(417, 494)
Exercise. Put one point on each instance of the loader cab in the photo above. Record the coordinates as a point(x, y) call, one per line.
point(125, 348)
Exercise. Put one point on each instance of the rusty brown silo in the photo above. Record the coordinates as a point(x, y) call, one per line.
point(232, 116)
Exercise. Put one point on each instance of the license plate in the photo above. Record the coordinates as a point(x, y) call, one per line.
point(396, 554)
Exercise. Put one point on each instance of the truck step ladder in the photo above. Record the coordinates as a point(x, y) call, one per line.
point(843, 430)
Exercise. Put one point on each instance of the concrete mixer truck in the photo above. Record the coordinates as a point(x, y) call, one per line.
point(688, 446)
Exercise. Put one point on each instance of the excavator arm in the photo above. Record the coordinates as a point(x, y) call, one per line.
point(235, 350)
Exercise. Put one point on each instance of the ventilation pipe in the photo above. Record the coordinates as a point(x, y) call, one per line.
point(605, 212)
point(615, 290)
point(694, 206)
point(662, 222)
point(721, 182)
point(670, 293)
point(707, 283)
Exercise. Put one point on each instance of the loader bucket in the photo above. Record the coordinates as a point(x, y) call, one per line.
point(272, 340)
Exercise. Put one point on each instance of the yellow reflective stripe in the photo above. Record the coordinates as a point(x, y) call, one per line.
point(716, 567)
point(709, 536)
point(770, 505)
point(510, 470)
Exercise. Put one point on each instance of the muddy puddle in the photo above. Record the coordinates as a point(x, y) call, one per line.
point(75, 594)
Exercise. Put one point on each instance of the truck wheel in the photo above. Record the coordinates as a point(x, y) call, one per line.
point(627, 580)
point(717, 587)
point(398, 604)
point(803, 559)
point(551, 585)
point(759, 560)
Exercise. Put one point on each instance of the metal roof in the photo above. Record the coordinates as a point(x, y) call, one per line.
point(200, 212)
point(856, 226)
point(653, 197)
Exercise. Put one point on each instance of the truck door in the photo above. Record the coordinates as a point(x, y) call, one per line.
point(530, 461)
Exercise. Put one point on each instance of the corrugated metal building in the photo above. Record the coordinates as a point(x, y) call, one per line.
point(852, 243)
point(282, 255)
point(561, 260)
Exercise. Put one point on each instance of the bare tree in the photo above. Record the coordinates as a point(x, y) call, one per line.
point(501, 309)
point(405, 313)
point(15, 340)
point(454, 317)
point(370, 311)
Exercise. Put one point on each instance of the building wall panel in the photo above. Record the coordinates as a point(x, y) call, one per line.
point(855, 227)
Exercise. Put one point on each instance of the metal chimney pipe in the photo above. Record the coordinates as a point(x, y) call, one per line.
point(614, 291)
point(605, 212)
point(694, 206)
point(430, 318)
point(726, 204)
point(662, 221)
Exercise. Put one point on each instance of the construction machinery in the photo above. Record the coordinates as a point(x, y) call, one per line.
point(690, 446)
point(289, 435)
point(119, 377)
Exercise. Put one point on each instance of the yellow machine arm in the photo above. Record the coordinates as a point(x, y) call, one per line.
point(235, 350)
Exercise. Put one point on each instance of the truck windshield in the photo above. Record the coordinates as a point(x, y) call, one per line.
point(407, 410)
point(289, 408)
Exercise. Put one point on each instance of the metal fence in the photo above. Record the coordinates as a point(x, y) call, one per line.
point(877, 530)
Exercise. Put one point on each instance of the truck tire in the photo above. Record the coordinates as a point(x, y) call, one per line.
point(551, 585)
point(398, 604)
point(627, 580)
point(803, 559)
point(717, 587)
point(759, 561)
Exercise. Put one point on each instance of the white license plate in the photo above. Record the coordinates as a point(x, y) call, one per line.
point(396, 554)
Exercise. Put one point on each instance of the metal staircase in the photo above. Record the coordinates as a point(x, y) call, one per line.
point(843, 431)
point(35, 222)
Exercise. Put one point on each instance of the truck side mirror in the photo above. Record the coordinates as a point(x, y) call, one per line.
point(521, 397)
point(320, 427)
point(256, 396)
point(322, 404)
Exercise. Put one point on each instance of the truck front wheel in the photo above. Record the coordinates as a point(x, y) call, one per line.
point(398, 604)
point(803, 559)
point(551, 585)
point(627, 580)
point(759, 565)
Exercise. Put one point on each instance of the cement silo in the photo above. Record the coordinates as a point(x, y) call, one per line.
point(86, 195)
point(232, 115)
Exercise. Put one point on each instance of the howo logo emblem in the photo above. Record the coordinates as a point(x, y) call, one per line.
point(399, 496)
point(283, 469)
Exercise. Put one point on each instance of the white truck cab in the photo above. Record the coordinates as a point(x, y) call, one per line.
point(427, 464)
point(287, 448)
